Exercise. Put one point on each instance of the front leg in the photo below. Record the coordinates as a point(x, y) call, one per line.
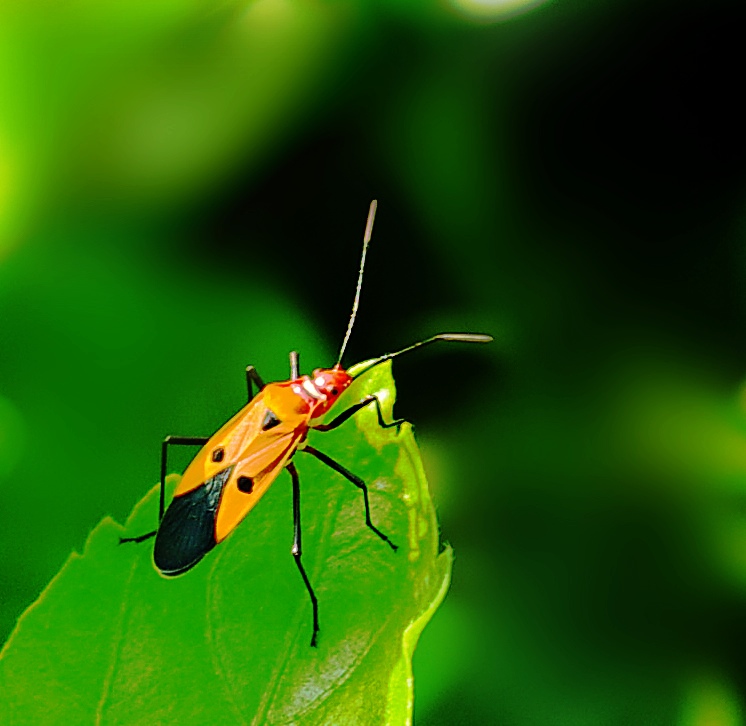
point(352, 410)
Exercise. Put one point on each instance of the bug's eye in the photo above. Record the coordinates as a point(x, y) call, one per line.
point(218, 454)
point(334, 391)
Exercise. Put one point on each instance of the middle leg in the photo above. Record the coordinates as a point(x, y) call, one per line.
point(168, 441)
point(298, 550)
point(358, 482)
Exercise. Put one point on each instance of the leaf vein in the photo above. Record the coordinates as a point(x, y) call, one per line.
point(117, 645)
point(220, 670)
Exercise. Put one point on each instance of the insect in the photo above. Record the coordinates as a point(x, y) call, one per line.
point(236, 465)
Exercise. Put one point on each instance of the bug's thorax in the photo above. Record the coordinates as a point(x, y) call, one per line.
point(321, 390)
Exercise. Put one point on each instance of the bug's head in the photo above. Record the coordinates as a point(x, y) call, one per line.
point(330, 382)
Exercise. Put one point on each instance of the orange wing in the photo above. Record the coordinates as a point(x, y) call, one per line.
point(255, 444)
point(247, 485)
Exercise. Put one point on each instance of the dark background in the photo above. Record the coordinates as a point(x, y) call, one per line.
point(183, 190)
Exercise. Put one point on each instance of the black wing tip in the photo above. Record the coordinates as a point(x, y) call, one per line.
point(187, 530)
point(174, 556)
point(171, 570)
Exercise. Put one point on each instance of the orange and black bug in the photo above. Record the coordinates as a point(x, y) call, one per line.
point(236, 465)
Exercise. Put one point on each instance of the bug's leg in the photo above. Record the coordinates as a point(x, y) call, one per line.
point(253, 377)
point(141, 538)
point(358, 482)
point(294, 368)
point(298, 550)
point(352, 410)
point(168, 441)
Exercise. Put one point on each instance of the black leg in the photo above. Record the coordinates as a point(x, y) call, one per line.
point(294, 368)
point(141, 538)
point(168, 441)
point(352, 410)
point(358, 482)
point(298, 550)
point(253, 377)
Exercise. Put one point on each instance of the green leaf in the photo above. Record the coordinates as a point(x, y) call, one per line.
point(111, 641)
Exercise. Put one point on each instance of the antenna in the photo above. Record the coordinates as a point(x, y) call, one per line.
point(453, 337)
point(366, 242)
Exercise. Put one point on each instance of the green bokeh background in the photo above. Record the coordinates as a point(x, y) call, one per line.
point(183, 189)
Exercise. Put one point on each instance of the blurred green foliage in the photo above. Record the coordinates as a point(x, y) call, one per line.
point(183, 188)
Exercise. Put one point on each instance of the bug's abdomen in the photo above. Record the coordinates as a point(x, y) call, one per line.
point(187, 531)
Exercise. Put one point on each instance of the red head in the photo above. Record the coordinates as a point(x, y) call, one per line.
point(330, 383)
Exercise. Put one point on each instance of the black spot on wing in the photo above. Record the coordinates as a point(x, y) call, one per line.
point(270, 421)
point(187, 531)
point(245, 484)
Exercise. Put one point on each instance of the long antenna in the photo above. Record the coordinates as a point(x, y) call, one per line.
point(366, 242)
point(453, 337)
